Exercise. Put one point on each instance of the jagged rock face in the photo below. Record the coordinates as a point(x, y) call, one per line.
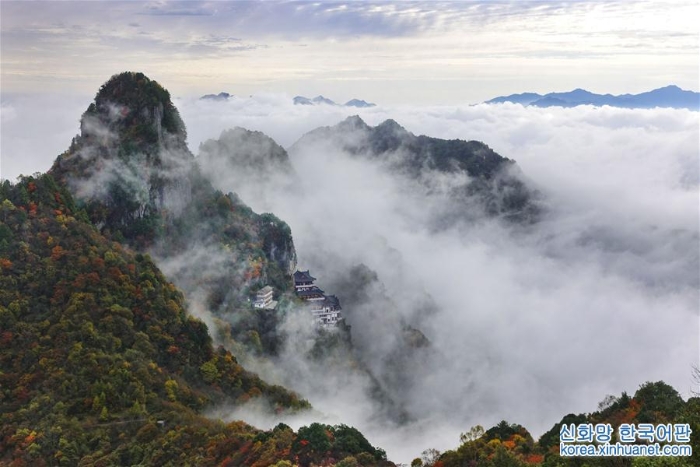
point(131, 169)
point(277, 242)
point(130, 164)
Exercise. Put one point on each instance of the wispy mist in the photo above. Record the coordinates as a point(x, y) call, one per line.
point(526, 324)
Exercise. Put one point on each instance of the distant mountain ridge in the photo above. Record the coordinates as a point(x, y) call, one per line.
point(670, 96)
point(359, 103)
point(222, 96)
point(493, 184)
point(298, 100)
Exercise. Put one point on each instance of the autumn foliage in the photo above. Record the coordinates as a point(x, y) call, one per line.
point(100, 363)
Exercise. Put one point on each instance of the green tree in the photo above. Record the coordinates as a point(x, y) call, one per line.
point(659, 401)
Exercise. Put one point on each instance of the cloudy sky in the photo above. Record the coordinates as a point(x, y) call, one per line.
point(386, 52)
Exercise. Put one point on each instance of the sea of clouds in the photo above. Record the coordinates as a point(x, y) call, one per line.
point(599, 297)
point(526, 325)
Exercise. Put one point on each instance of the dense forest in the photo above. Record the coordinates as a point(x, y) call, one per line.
point(101, 365)
point(511, 445)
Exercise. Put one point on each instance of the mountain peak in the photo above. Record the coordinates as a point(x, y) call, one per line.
point(359, 103)
point(322, 100)
point(130, 161)
point(132, 103)
point(130, 88)
point(391, 125)
point(301, 100)
point(354, 122)
point(222, 96)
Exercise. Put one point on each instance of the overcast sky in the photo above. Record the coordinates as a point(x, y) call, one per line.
point(386, 52)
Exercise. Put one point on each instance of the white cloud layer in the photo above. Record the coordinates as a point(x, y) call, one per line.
point(599, 297)
point(35, 129)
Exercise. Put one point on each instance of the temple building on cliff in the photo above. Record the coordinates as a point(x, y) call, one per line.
point(263, 299)
point(303, 280)
point(324, 308)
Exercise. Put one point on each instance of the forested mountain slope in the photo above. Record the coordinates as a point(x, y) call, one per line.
point(101, 365)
